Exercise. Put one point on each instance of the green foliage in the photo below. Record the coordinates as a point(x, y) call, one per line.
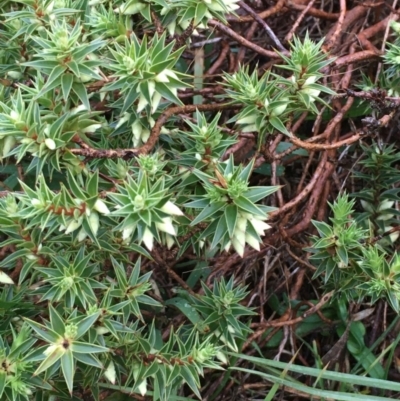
point(355, 252)
point(272, 99)
point(97, 190)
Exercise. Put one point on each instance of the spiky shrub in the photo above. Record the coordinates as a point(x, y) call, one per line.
point(355, 252)
point(101, 197)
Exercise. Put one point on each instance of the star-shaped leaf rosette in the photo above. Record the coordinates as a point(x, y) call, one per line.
point(229, 206)
point(146, 210)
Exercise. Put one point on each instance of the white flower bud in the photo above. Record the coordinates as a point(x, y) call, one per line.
point(142, 103)
point(72, 226)
point(247, 120)
point(94, 222)
point(127, 232)
point(386, 204)
point(171, 208)
point(222, 357)
point(170, 241)
point(252, 242)
point(81, 235)
point(241, 224)
point(5, 279)
point(260, 226)
point(166, 226)
point(37, 203)
point(8, 144)
point(100, 330)
point(162, 77)
point(101, 207)
point(137, 129)
point(152, 87)
point(145, 135)
point(91, 128)
point(130, 10)
point(50, 143)
point(143, 387)
point(367, 206)
point(14, 116)
point(14, 74)
point(110, 373)
point(148, 239)
point(155, 101)
point(238, 243)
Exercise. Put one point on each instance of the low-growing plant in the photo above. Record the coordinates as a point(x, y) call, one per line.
point(110, 180)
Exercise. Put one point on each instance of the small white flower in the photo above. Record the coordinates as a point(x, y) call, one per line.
point(125, 117)
point(78, 109)
point(50, 143)
point(171, 208)
point(142, 103)
point(101, 207)
point(166, 226)
point(241, 224)
point(386, 204)
point(137, 129)
point(367, 206)
point(36, 203)
point(127, 232)
point(143, 387)
point(14, 115)
point(130, 10)
point(94, 222)
point(8, 144)
point(238, 243)
point(14, 74)
point(169, 241)
point(100, 330)
point(5, 279)
point(91, 128)
point(252, 242)
point(247, 120)
point(81, 235)
point(148, 239)
point(155, 102)
point(277, 111)
point(145, 135)
point(152, 87)
point(222, 357)
point(51, 349)
point(110, 373)
point(162, 77)
point(394, 236)
point(259, 226)
point(72, 226)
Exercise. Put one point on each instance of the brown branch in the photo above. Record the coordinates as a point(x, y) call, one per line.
point(222, 56)
point(315, 12)
point(322, 146)
point(263, 15)
point(240, 39)
point(155, 133)
point(357, 57)
point(266, 27)
point(288, 37)
point(331, 42)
